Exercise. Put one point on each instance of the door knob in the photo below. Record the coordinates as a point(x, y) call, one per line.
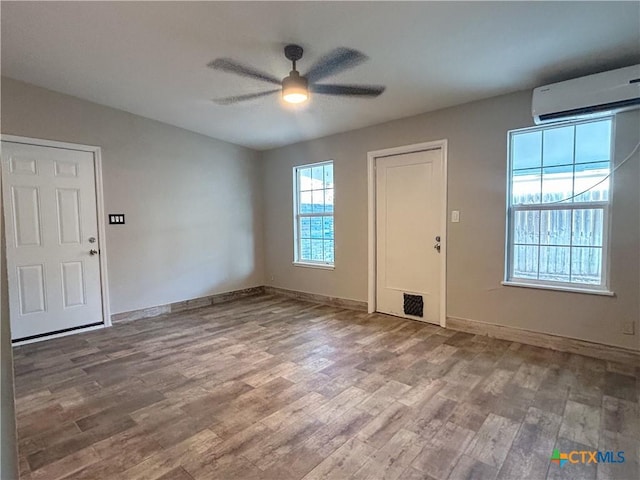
point(93, 252)
point(437, 247)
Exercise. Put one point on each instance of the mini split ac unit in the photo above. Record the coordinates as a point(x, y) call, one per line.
point(600, 94)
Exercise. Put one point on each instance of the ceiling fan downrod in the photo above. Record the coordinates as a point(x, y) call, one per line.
point(293, 53)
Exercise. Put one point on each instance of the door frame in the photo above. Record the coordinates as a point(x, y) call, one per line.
point(104, 279)
point(371, 176)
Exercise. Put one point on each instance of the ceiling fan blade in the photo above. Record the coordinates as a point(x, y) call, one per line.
point(334, 62)
point(231, 66)
point(349, 90)
point(242, 98)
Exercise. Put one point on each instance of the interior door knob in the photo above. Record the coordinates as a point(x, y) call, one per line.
point(93, 252)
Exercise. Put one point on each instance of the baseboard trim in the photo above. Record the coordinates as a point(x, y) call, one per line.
point(316, 298)
point(186, 305)
point(235, 295)
point(546, 340)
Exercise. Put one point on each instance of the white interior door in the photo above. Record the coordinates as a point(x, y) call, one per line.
point(408, 220)
point(49, 198)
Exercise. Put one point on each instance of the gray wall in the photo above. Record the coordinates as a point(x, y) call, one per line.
point(194, 210)
point(192, 203)
point(8, 443)
point(477, 136)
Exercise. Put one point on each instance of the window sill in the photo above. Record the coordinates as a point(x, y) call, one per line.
point(320, 266)
point(560, 288)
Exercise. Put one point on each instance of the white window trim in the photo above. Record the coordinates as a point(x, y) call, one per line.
point(296, 240)
point(512, 281)
point(558, 286)
point(318, 265)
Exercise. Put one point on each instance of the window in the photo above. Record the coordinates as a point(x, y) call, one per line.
point(558, 205)
point(313, 210)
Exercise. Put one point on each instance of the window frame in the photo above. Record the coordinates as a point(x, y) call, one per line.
point(509, 278)
point(297, 261)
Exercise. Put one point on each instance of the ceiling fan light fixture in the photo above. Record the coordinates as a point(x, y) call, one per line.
point(295, 88)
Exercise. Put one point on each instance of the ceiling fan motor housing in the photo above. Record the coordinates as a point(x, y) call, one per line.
point(295, 88)
point(294, 80)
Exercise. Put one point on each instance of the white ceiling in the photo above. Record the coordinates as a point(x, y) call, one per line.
point(149, 58)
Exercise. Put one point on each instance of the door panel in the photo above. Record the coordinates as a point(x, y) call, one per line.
point(26, 216)
point(23, 165)
point(66, 169)
point(49, 202)
point(73, 284)
point(408, 212)
point(69, 215)
point(31, 289)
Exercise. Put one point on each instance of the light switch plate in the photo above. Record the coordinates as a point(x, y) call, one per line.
point(116, 219)
point(455, 216)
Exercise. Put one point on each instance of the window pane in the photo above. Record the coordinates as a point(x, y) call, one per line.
point(588, 225)
point(555, 264)
point(555, 227)
point(586, 265)
point(317, 250)
point(305, 249)
point(316, 227)
point(593, 141)
point(328, 251)
point(526, 226)
point(557, 183)
point(328, 176)
point(318, 201)
point(526, 186)
point(328, 200)
point(317, 173)
point(587, 177)
point(304, 179)
point(304, 205)
point(305, 227)
point(327, 226)
point(557, 146)
point(525, 261)
point(526, 150)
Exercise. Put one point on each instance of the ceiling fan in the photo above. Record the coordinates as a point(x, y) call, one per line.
point(295, 88)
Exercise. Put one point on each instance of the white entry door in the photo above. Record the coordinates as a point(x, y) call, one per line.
point(408, 222)
point(49, 198)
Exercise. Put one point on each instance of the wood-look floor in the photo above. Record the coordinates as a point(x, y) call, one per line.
point(274, 388)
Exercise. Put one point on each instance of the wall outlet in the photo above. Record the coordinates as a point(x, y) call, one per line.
point(628, 327)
